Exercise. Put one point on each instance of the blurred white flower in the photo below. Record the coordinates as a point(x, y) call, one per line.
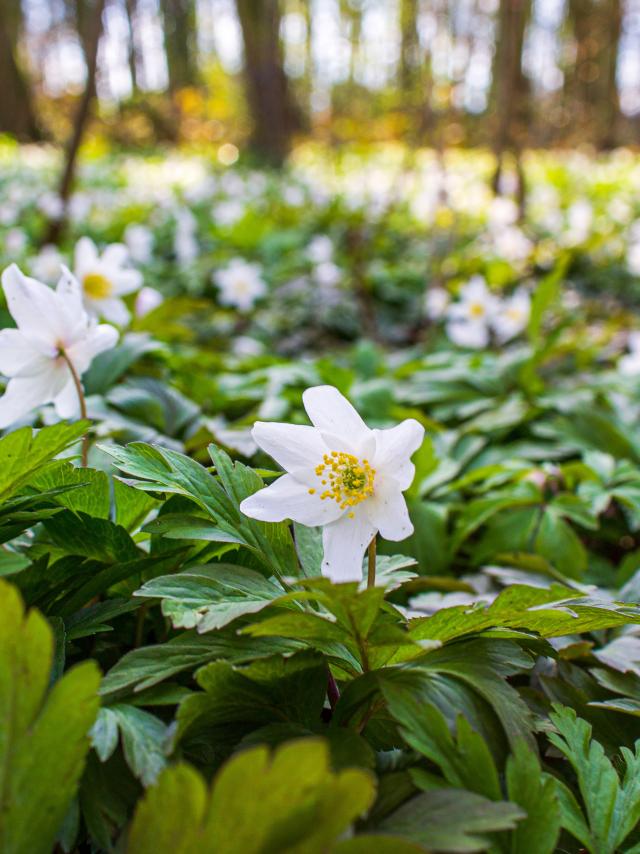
point(139, 241)
point(240, 284)
point(340, 475)
point(629, 365)
point(502, 212)
point(15, 241)
point(512, 316)
point(51, 205)
point(436, 303)
point(327, 274)
point(146, 300)
point(512, 244)
point(185, 242)
point(228, 212)
point(46, 265)
point(245, 345)
point(469, 319)
point(633, 259)
point(320, 249)
point(579, 221)
point(105, 279)
point(53, 332)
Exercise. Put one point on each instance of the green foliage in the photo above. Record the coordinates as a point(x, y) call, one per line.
point(43, 733)
point(291, 802)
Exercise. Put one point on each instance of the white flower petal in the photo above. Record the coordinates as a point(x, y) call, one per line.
point(387, 512)
point(332, 413)
point(85, 256)
point(345, 542)
point(126, 282)
point(97, 340)
point(39, 311)
point(288, 498)
point(18, 356)
point(295, 447)
point(395, 447)
point(116, 254)
point(112, 309)
point(25, 393)
point(67, 403)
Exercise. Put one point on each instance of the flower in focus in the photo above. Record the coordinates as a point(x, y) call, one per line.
point(512, 316)
point(105, 279)
point(629, 364)
point(240, 284)
point(469, 319)
point(46, 265)
point(341, 475)
point(53, 332)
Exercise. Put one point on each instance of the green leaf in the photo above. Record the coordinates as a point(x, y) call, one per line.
point(287, 802)
point(143, 739)
point(162, 470)
point(88, 536)
point(451, 820)
point(209, 597)
point(24, 452)
point(43, 736)
point(536, 794)
point(551, 612)
point(612, 809)
point(91, 492)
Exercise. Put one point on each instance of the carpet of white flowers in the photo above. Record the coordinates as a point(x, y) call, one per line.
point(320, 505)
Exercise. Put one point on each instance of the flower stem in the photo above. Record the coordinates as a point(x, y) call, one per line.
point(83, 406)
point(371, 573)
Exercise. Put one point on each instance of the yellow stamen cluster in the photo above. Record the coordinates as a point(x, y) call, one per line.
point(348, 479)
point(476, 309)
point(96, 286)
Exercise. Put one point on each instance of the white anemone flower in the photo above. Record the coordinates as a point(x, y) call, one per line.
point(139, 241)
point(469, 319)
point(512, 316)
point(54, 333)
point(105, 279)
point(341, 475)
point(240, 284)
point(147, 300)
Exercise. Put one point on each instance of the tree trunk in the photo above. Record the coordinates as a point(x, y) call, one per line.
point(510, 88)
point(17, 115)
point(92, 33)
point(409, 48)
point(131, 7)
point(270, 101)
point(590, 85)
point(180, 42)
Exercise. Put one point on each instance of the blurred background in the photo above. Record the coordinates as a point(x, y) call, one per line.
point(257, 76)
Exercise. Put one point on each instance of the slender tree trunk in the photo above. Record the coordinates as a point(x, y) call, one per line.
point(409, 48)
point(17, 115)
point(510, 89)
point(131, 7)
point(272, 109)
point(180, 42)
point(92, 34)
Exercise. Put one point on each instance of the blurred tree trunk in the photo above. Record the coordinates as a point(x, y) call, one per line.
point(409, 47)
point(131, 7)
point(590, 84)
point(17, 115)
point(92, 23)
point(180, 42)
point(272, 108)
point(510, 89)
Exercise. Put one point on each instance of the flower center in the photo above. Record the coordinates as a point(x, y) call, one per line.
point(96, 286)
point(476, 309)
point(348, 480)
